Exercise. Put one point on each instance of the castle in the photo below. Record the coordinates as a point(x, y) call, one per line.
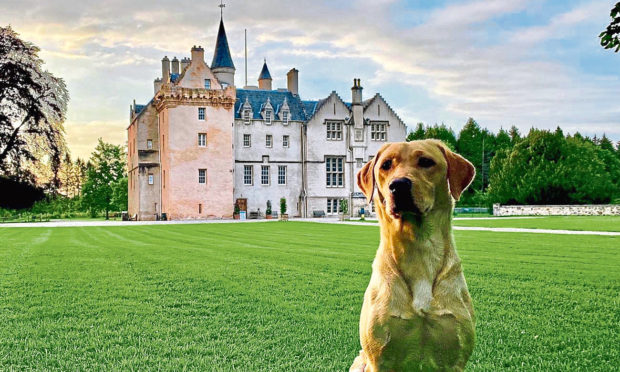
point(201, 146)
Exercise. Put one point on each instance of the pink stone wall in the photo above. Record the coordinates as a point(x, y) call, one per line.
point(182, 158)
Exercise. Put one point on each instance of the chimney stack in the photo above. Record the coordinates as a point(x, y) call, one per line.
point(356, 92)
point(292, 81)
point(157, 85)
point(198, 54)
point(184, 63)
point(356, 104)
point(165, 70)
point(175, 65)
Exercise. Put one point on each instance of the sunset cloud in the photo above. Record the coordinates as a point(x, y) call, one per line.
point(524, 63)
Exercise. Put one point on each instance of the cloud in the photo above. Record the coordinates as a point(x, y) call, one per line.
point(445, 64)
point(83, 136)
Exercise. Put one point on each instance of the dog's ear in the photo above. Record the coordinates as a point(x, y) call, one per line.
point(366, 179)
point(366, 176)
point(460, 171)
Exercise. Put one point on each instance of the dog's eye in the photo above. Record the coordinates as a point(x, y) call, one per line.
point(386, 165)
point(425, 162)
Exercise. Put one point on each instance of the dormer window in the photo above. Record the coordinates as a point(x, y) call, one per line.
point(285, 117)
point(285, 112)
point(207, 83)
point(268, 116)
point(246, 116)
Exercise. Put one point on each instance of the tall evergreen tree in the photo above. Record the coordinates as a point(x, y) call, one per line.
point(418, 134)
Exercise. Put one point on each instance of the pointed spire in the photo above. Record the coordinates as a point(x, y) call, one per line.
point(221, 56)
point(264, 74)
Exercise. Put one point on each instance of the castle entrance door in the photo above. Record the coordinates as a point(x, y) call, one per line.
point(243, 204)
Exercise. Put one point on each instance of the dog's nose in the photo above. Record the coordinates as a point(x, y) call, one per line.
point(400, 186)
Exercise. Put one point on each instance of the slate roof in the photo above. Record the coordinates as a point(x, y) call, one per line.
point(221, 56)
point(258, 99)
point(310, 107)
point(138, 108)
point(264, 74)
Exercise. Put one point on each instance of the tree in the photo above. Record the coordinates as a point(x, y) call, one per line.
point(503, 140)
point(515, 136)
point(610, 37)
point(548, 168)
point(120, 194)
point(469, 144)
point(107, 167)
point(418, 134)
point(33, 104)
point(443, 133)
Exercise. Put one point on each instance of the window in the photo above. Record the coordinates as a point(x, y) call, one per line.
point(268, 140)
point(333, 206)
point(150, 178)
point(207, 83)
point(149, 144)
point(202, 139)
point(201, 113)
point(281, 174)
point(246, 116)
point(202, 176)
point(224, 85)
point(199, 208)
point(378, 131)
point(334, 130)
point(264, 175)
point(359, 162)
point(268, 116)
point(335, 171)
point(285, 117)
point(247, 174)
point(247, 140)
point(164, 179)
point(284, 141)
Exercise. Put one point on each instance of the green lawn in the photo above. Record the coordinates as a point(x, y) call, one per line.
point(284, 297)
point(592, 223)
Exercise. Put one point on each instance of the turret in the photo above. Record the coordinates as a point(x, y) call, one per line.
point(264, 79)
point(222, 65)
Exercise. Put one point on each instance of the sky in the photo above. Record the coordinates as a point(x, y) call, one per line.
point(518, 62)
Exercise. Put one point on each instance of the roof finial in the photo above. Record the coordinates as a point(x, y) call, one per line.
point(222, 5)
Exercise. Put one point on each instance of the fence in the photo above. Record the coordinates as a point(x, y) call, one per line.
point(557, 210)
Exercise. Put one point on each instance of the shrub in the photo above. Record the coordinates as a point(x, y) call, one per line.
point(282, 206)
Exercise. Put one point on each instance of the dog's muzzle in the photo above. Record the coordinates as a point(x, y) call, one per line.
point(402, 196)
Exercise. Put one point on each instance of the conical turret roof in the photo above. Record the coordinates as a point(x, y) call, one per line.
point(221, 56)
point(264, 74)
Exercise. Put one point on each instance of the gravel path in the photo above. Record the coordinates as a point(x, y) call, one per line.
point(315, 220)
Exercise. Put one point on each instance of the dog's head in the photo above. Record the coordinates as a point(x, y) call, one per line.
point(414, 177)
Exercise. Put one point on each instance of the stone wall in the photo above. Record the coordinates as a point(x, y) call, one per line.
point(556, 210)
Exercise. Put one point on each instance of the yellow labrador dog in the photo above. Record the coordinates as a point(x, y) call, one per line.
point(417, 312)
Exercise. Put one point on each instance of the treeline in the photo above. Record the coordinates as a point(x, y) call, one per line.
point(81, 189)
point(542, 167)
